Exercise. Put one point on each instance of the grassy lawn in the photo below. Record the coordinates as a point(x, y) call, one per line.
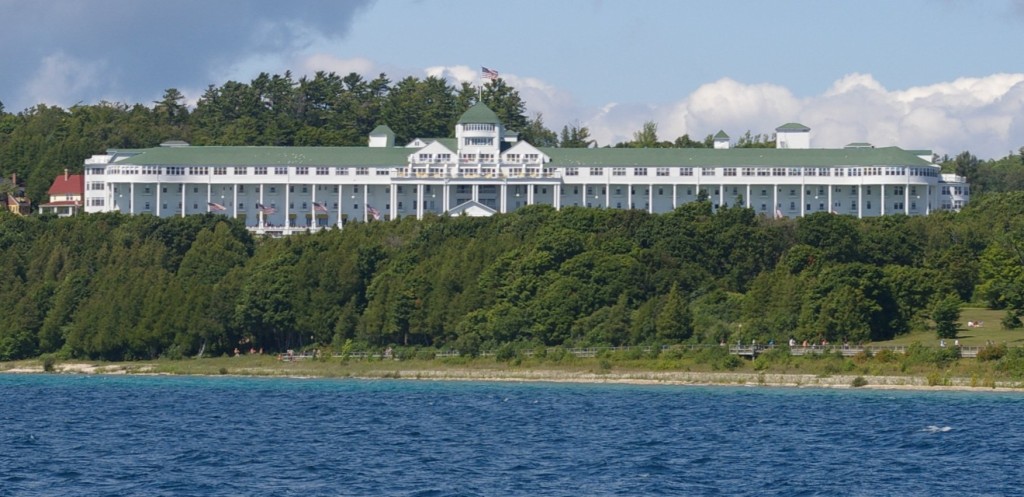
point(990, 330)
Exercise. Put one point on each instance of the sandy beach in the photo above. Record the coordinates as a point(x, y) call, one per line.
point(746, 379)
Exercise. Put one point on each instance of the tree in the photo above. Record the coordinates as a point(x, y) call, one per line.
point(966, 165)
point(646, 137)
point(506, 104)
point(674, 323)
point(537, 135)
point(945, 313)
point(575, 135)
point(170, 109)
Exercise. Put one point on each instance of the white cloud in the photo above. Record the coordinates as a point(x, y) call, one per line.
point(61, 78)
point(984, 115)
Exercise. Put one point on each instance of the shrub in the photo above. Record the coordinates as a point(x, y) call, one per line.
point(991, 352)
point(48, 362)
point(776, 356)
point(885, 356)
point(859, 382)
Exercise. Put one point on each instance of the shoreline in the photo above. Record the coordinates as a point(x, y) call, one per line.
point(673, 378)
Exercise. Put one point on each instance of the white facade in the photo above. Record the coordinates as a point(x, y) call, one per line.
point(303, 188)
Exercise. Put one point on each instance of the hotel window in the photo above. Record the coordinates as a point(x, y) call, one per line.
point(195, 189)
point(362, 171)
point(273, 189)
point(686, 171)
point(707, 171)
point(341, 171)
point(531, 157)
point(512, 158)
point(639, 171)
point(478, 141)
point(260, 170)
point(426, 157)
point(729, 171)
point(778, 171)
point(241, 171)
point(824, 172)
point(662, 171)
point(618, 171)
point(794, 171)
point(302, 170)
point(764, 193)
point(146, 206)
point(280, 170)
point(382, 172)
point(596, 171)
point(486, 157)
point(443, 158)
point(197, 170)
point(572, 171)
point(468, 158)
point(323, 171)
point(897, 190)
point(220, 171)
point(810, 172)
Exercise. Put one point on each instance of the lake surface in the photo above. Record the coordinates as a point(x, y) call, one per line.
point(211, 436)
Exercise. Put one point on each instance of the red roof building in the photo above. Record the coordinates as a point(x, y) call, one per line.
point(66, 195)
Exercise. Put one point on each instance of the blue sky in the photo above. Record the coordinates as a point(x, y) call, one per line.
point(945, 75)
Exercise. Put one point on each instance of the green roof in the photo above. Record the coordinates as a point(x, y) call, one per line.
point(382, 129)
point(560, 157)
point(270, 156)
point(479, 114)
point(792, 127)
point(740, 157)
point(721, 135)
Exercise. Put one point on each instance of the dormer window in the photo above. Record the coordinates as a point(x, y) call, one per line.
point(512, 157)
point(478, 127)
point(426, 157)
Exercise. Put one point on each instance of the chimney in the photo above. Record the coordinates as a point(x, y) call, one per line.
point(65, 174)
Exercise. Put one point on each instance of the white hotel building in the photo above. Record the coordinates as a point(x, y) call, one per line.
point(484, 170)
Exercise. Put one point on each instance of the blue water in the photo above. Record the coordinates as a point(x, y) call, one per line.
point(106, 435)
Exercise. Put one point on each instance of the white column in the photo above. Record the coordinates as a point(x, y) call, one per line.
point(341, 206)
point(183, 206)
point(131, 198)
point(208, 192)
point(262, 217)
point(882, 206)
point(803, 200)
point(650, 198)
point(159, 187)
point(503, 201)
point(775, 200)
point(366, 205)
point(529, 194)
point(287, 210)
point(830, 189)
point(419, 201)
point(583, 195)
point(674, 197)
point(748, 196)
point(476, 193)
point(608, 194)
point(234, 201)
point(906, 192)
point(393, 200)
point(444, 197)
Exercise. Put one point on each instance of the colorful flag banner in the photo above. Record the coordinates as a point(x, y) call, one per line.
point(214, 206)
point(374, 213)
point(317, 206)
point(490, 74)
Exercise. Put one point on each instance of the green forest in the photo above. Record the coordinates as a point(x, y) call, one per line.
point(120, 287)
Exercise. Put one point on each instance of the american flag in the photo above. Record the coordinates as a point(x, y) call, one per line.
point(778, 214)
point(265, 209)
point(214, 206)
point(374, 213)
point(490, 74)
point(317, 206)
